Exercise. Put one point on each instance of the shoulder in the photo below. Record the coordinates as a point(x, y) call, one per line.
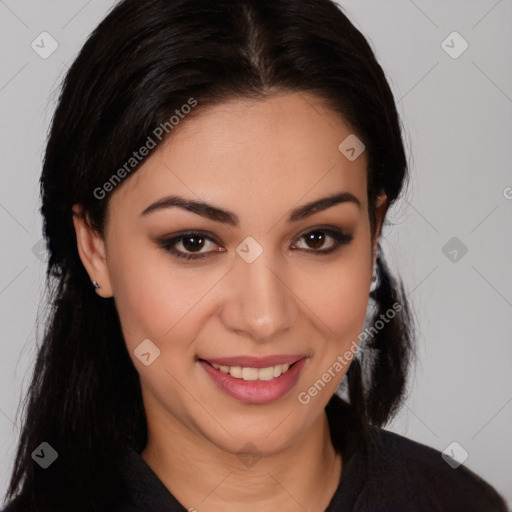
point(411, 476)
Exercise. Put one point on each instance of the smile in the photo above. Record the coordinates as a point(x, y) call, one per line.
point(247, 373)
point(254, 385)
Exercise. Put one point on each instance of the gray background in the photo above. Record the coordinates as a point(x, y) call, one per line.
point(457, 116)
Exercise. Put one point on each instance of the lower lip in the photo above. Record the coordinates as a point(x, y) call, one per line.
point(255, 391)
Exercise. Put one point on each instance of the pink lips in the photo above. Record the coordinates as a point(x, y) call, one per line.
point(255, 391)
point(256, 362)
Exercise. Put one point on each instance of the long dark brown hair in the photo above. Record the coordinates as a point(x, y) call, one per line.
point(144, 61)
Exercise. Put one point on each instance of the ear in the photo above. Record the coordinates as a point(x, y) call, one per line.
point(381, 207)
point(91, 249)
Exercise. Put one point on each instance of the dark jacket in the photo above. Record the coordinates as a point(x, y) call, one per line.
point(395, 475)
point(388, 473)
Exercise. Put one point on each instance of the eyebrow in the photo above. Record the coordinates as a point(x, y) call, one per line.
point(225, 216)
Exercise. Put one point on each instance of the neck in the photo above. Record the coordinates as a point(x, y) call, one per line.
point(304, 476)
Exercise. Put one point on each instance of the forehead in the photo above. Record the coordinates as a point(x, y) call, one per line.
point(282, 149)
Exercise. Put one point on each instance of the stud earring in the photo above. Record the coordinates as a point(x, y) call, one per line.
point(96, 285)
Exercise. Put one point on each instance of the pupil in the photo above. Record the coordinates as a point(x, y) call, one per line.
point(315, 239)
point(193, 243)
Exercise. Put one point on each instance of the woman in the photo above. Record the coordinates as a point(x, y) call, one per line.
point(214, 188)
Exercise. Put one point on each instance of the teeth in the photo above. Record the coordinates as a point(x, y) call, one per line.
point(239, 372)
point(235, 371)
point(265, 373)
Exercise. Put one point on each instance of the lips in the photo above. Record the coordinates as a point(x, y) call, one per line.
point(252, 382)
point(248, 373)
point(255, 362)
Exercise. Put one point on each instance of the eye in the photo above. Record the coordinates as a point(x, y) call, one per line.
point(195, 245)
point(189, 245)
point(317, 238)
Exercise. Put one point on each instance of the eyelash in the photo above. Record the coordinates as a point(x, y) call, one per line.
point(340, 239)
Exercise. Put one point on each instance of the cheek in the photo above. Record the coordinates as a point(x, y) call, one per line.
point(155, 298)
point(337, 292)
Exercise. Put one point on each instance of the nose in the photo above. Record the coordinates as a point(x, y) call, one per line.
point(261, 303)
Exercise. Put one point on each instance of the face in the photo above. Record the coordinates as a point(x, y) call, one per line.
point(250, 278)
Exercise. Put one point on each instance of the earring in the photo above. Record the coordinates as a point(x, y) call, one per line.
point(96, 285)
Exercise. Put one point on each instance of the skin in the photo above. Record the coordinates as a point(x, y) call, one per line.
point(258, 159)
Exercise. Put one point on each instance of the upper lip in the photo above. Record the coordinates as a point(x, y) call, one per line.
point(254, 361)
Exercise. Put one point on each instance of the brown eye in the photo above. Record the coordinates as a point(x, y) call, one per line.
point(315, 239)
point(193, 243)
point(190, 245)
